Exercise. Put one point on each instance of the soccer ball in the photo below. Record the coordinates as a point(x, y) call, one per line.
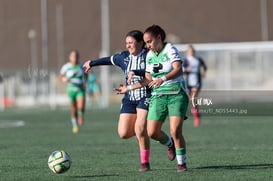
point(59, 161)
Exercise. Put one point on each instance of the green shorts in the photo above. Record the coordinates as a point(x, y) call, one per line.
point(75, 92)
point(162, 106)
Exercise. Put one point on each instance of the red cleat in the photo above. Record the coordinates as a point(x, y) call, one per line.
point(182, 168)
point(144, 167)
point(171, 152)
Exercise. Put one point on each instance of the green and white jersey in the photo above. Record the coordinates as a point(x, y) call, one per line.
point(160, 64)
point(74, 73)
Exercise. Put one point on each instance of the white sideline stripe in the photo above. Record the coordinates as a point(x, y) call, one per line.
point(11, 123)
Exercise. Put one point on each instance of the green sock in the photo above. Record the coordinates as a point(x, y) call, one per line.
point(180, 151)
point(167, 141)
point(180, 155)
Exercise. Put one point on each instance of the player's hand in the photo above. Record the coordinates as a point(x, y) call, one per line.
point(86, 65)
point(122, 89)
point(130, 76)
point(155, 83)
point(65, 79)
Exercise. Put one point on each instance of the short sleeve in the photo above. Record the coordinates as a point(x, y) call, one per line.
point(149, 66)
point(63, 69)
point(174, 54)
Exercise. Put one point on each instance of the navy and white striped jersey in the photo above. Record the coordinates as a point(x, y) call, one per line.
point(193, 76)
point(127, 63)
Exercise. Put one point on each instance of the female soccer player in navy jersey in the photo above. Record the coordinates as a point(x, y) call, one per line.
point(134, 107)
point(192, 67)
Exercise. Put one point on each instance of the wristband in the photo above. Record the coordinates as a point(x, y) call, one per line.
point(129, 87)
point(164, 78)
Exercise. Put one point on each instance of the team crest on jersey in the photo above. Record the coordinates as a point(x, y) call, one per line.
point(165, 58)
point(126, 60)
point(149, 61)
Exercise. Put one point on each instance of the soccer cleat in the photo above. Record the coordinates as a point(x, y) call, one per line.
point(80, 120)
point(182, 168)
point(144, 167)
point(75, 129)
point(171, 152)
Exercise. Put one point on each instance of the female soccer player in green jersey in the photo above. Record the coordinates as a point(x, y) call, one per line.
point(164, 75)
point(73, 74)
point(134, 108)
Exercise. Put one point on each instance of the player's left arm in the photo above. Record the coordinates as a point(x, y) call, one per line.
point(142, 83)
point(85, 77)
point(203, 66)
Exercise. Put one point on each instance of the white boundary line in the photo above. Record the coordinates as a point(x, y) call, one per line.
point(12, 123)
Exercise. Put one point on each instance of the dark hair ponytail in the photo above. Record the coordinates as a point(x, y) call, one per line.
point(137, 35)
point(156, 30)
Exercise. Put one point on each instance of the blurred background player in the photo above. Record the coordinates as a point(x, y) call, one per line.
point(134, 107)
point(93, 89)
point(73, 74)
point(164, 75)
point(194, 68)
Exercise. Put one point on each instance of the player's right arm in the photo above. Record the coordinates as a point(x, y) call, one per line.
point(102, 61)
point(115, 59)
point(186, 66)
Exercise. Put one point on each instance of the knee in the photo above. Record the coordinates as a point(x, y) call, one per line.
point(152, 133)
point(123, 134)
point(140, 130)
point(176, 133)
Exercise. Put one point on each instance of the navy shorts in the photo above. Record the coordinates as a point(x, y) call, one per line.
point(190, 87)
point(130, 107)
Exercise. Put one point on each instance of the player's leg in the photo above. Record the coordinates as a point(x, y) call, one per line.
point(73, 105)
point(75, 128)
point(143, 139)
point(176, 124)
point(195, 110)
point(156, 117)
point(126, 125)
point(177, 106)
point(80, 106)
point(127, 119)
point(154, 131)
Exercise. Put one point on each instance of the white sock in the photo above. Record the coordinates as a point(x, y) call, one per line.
point(74, 121)
point(181, 159)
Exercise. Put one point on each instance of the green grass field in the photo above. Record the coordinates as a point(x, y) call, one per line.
point(237, 147)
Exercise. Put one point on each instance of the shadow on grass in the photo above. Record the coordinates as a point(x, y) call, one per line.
point(237, 167)
point(94, 176)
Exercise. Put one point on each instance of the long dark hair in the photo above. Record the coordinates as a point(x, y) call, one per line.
point(156, 30)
